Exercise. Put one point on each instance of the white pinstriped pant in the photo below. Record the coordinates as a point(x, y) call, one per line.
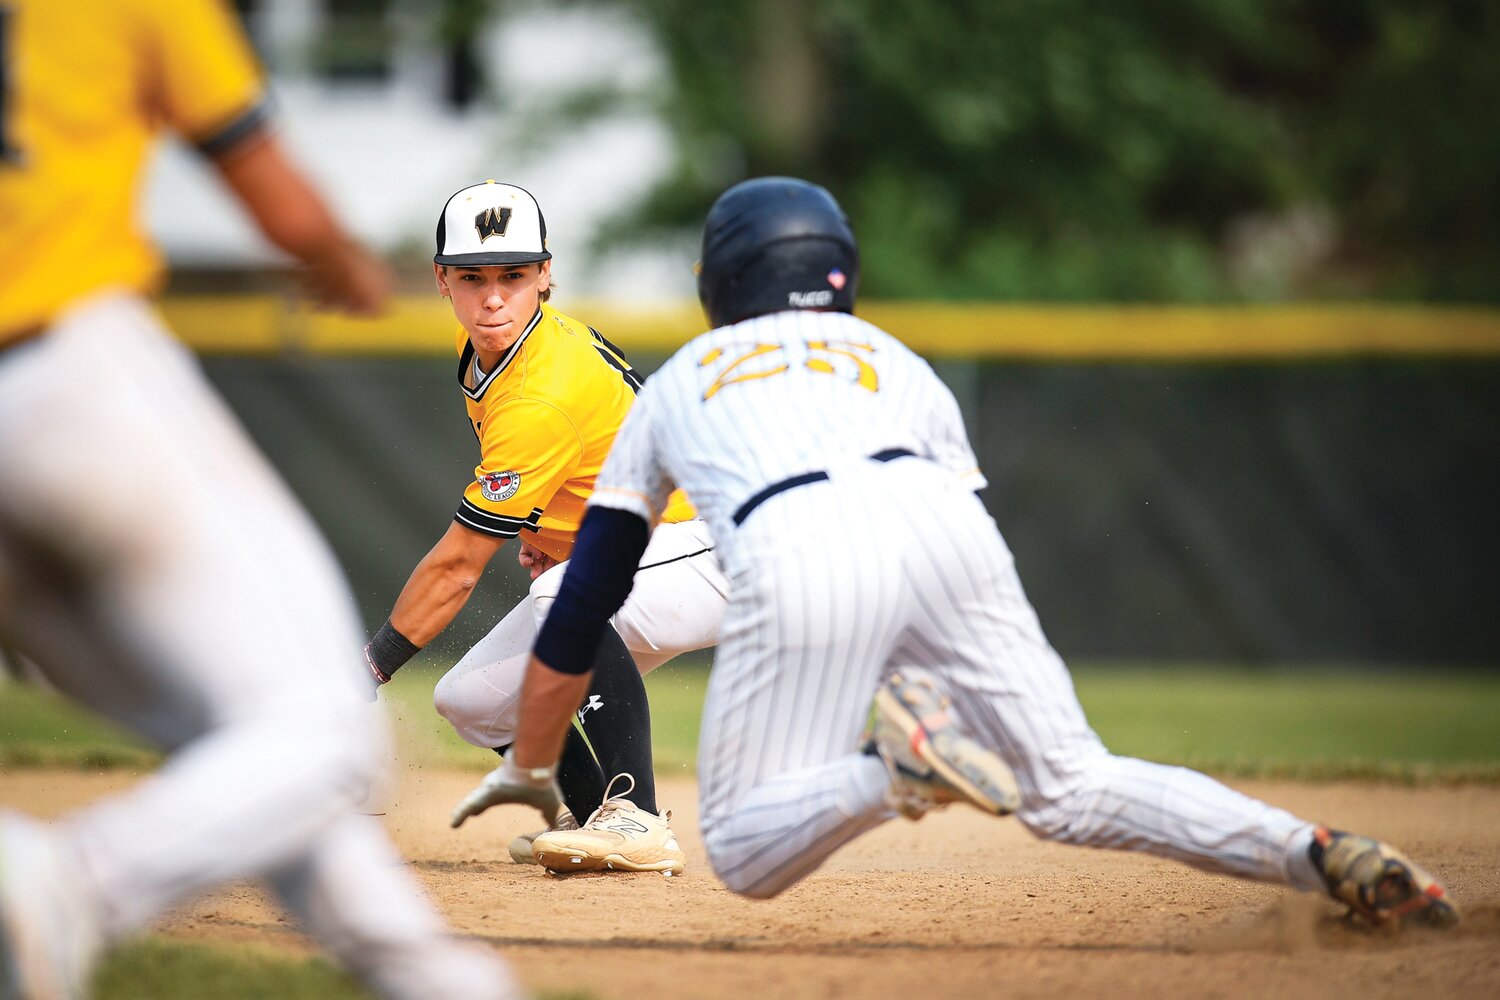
point(156, 570)
point(897, 566)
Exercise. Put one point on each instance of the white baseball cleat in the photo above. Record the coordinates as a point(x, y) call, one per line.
point(930, 759)
point(619, 836)
point(48, 937)
point(522, 851)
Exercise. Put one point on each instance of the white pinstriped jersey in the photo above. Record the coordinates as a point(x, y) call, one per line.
point(754, 403)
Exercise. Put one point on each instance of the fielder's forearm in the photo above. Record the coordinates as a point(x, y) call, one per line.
point(441, 584)
point(548, 700)
point(429, 602)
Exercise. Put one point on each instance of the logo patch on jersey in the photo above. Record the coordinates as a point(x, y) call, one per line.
point(497, 486)
point(492, 222)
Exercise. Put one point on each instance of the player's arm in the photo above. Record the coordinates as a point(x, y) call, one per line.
point(207, 84)
point(600, 575)
point(539, 449)
point(441, 584)
point(435, 593)
point(292, 214)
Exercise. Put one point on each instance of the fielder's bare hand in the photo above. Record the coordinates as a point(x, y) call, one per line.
point(507, 783)
point(534, 560)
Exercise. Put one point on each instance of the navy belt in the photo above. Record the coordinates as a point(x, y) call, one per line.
point(802, 479)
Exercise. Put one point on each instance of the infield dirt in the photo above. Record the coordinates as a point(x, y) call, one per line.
point(958, 905)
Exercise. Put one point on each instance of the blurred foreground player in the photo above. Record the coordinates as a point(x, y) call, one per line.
point(794, 413)
point(151, 563)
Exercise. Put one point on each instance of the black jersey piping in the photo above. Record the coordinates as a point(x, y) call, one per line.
point(239, 128)
point(466, 358)
point(615, 358)
point(668, 562)
point(500, 525)
point(626, 372)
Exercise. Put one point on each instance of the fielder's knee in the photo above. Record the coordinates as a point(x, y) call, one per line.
point(479, 714)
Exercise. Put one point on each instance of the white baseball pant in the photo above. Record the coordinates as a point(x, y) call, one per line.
point(675, 607)
point(157, 571)
point(907, 571)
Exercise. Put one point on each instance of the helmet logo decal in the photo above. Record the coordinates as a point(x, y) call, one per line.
point(497, 486)
point(809, 300)
point(837, 279)
point(492, 222)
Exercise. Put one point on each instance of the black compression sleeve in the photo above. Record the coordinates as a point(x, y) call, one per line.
point(617, 719)
point(600, 573)
point(579, 777)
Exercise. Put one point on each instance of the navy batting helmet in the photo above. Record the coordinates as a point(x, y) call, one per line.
point(776, 243)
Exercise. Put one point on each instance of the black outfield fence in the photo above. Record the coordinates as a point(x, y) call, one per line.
point(1331, 510)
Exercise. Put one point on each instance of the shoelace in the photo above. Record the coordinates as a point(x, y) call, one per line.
point(613, 803)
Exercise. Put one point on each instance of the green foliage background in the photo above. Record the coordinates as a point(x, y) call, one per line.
point(1184, 150)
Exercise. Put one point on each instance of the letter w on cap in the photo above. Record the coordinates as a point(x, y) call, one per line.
point(492, 222)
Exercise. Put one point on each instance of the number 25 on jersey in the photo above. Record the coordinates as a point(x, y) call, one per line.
point(823, 357)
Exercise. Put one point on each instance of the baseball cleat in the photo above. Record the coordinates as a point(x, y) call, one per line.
point(1378, 882)
point(931, 761)
point(521, 849)
point(48, 940)
point(619, 836)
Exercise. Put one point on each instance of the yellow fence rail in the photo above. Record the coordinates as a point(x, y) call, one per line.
point(268, 324)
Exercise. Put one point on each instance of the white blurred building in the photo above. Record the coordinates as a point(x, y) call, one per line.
point(380, 110)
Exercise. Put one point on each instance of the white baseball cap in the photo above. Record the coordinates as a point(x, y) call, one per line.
point(491, 223)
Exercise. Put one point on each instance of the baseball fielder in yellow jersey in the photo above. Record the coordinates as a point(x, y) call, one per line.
point(191, 600)
point(545, 395)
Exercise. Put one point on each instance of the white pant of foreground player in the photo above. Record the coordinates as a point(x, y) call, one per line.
point(909, 572)
point(675, 607)
point(157, 571)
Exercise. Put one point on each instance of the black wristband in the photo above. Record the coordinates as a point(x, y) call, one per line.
point(389, 650)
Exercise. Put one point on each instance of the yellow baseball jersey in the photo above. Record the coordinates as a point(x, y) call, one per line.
point(87, 85)
point(545, 418)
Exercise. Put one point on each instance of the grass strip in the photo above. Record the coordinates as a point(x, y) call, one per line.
point(164, 968)
point(1414, 727)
